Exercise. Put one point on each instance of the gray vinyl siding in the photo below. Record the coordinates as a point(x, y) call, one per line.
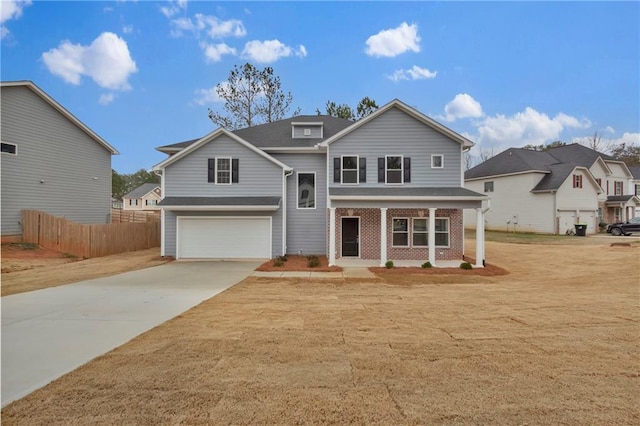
point(298, 132)
point(59, 169)
point(258, 176)
point(170, 223)
point(396, 133)
point(306, 228)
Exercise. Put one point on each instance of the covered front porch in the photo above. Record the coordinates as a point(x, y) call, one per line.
point(620, 208)
point(410, 227)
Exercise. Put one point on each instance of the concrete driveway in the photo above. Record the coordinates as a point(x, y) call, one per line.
point(47, 333)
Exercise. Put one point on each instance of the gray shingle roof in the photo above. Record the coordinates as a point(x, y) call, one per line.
point(635, 171)
point(278, 133)
point(220, 201)
point(404, 192)
point(619, 198)
point(142, 190)
point(557, 162)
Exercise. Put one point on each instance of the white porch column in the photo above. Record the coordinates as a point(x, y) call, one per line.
point(332, 236)
point(432, 236)
point(383, 236)
point(479, 238)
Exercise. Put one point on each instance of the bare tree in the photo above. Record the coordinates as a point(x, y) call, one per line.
point(251, 96)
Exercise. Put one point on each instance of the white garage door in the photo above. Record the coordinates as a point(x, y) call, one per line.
point(224, 238)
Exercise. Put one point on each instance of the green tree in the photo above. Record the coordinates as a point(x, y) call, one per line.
point(543, 147)
point(340, 111)
point(365, 107)
point(125, 183)
point(251, 96)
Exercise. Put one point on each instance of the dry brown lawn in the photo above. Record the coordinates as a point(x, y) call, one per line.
point(556, 341)
point(37, 268)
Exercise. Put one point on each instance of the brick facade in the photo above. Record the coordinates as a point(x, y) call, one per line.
point(370, 233)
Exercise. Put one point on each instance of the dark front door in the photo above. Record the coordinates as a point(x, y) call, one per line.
point(351, 236)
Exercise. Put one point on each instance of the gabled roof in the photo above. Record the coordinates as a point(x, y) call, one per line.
point(396, 103)
point(579, 154)
point(635, 172)
point(62, 110)
point(212, 136)
point(559, 172)
point(142, 190)
point(512, 161)
point(277, 134)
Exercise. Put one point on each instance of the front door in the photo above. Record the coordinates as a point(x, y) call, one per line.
point(350, 237)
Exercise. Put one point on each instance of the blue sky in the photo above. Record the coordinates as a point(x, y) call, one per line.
point(141, 74)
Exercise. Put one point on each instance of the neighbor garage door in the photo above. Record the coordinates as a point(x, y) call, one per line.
point(224, 238)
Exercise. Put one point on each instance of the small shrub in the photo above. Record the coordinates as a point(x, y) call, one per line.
point(426, 265)
point(277, 262)
point(389, 264)
point(283, 258)
point(466, 265)
point(313, 261)
point(25, 246)
point(69, 256)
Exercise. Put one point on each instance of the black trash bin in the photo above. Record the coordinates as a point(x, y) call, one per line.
point(581, 229)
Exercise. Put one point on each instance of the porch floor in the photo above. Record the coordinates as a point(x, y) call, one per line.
point(366, 263)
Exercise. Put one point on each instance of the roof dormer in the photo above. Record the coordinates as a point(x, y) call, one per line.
point(307, 130)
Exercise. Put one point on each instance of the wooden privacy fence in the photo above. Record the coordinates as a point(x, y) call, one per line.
point(60, 234)
point(134, 216)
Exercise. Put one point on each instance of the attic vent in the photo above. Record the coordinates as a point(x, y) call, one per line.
point(307, 132)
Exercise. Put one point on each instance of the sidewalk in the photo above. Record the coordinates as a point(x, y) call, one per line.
point(346, 273)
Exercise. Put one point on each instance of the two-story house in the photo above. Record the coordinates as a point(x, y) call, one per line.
point(145, 197)
point(387, 187)
point(550, 191)
point(50, 161)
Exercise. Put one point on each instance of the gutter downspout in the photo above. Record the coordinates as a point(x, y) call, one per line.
point(284, 211)
point(162, 220)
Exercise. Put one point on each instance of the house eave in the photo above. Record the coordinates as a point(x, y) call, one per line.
point(506, 175)
point(221, 208)
point(295, 150)
point(404, 198)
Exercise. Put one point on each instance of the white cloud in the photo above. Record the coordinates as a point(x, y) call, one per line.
point(609, 129)
point(106, 98)
point(626, 138)
point(214, 52)
point(173, 8)
point(107, 61)
point(127, 29)
point(394, 41)
point(462, 106)
point(270, 51)
point(10, 9)
point(208, 96)
point(526, 127)
point(413, 73)
point(212, 26)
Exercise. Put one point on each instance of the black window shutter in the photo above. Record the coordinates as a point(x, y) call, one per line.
point(336, 170)
point(380, 169)
point(211, 169)
point(407, 169)
point(235, 168)
point(363, 170)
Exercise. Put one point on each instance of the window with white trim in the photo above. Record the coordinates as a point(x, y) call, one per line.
point(437, 161)
point(488, 186)
point(306, 190)
point(442, 232)
point(9, 148)
point(223, 170)
point(400, 236)
point(419, 232)
point(151, 202)
point(577, 181)
point(393, 169)
point(349, 172)
point(618, 187)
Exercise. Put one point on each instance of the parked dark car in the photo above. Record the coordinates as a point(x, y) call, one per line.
point(632, 225)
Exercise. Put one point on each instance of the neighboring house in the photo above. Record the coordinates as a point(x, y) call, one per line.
point(116, 203)
point(145, 197)
point(634, 188)
point(51, 161)
point(551, 191)
point(387, 187)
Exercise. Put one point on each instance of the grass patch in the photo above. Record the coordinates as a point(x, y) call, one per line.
point(24, 246)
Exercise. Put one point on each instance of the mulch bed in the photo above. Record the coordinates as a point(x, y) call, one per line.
point(488, 271)
point(298, 263)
